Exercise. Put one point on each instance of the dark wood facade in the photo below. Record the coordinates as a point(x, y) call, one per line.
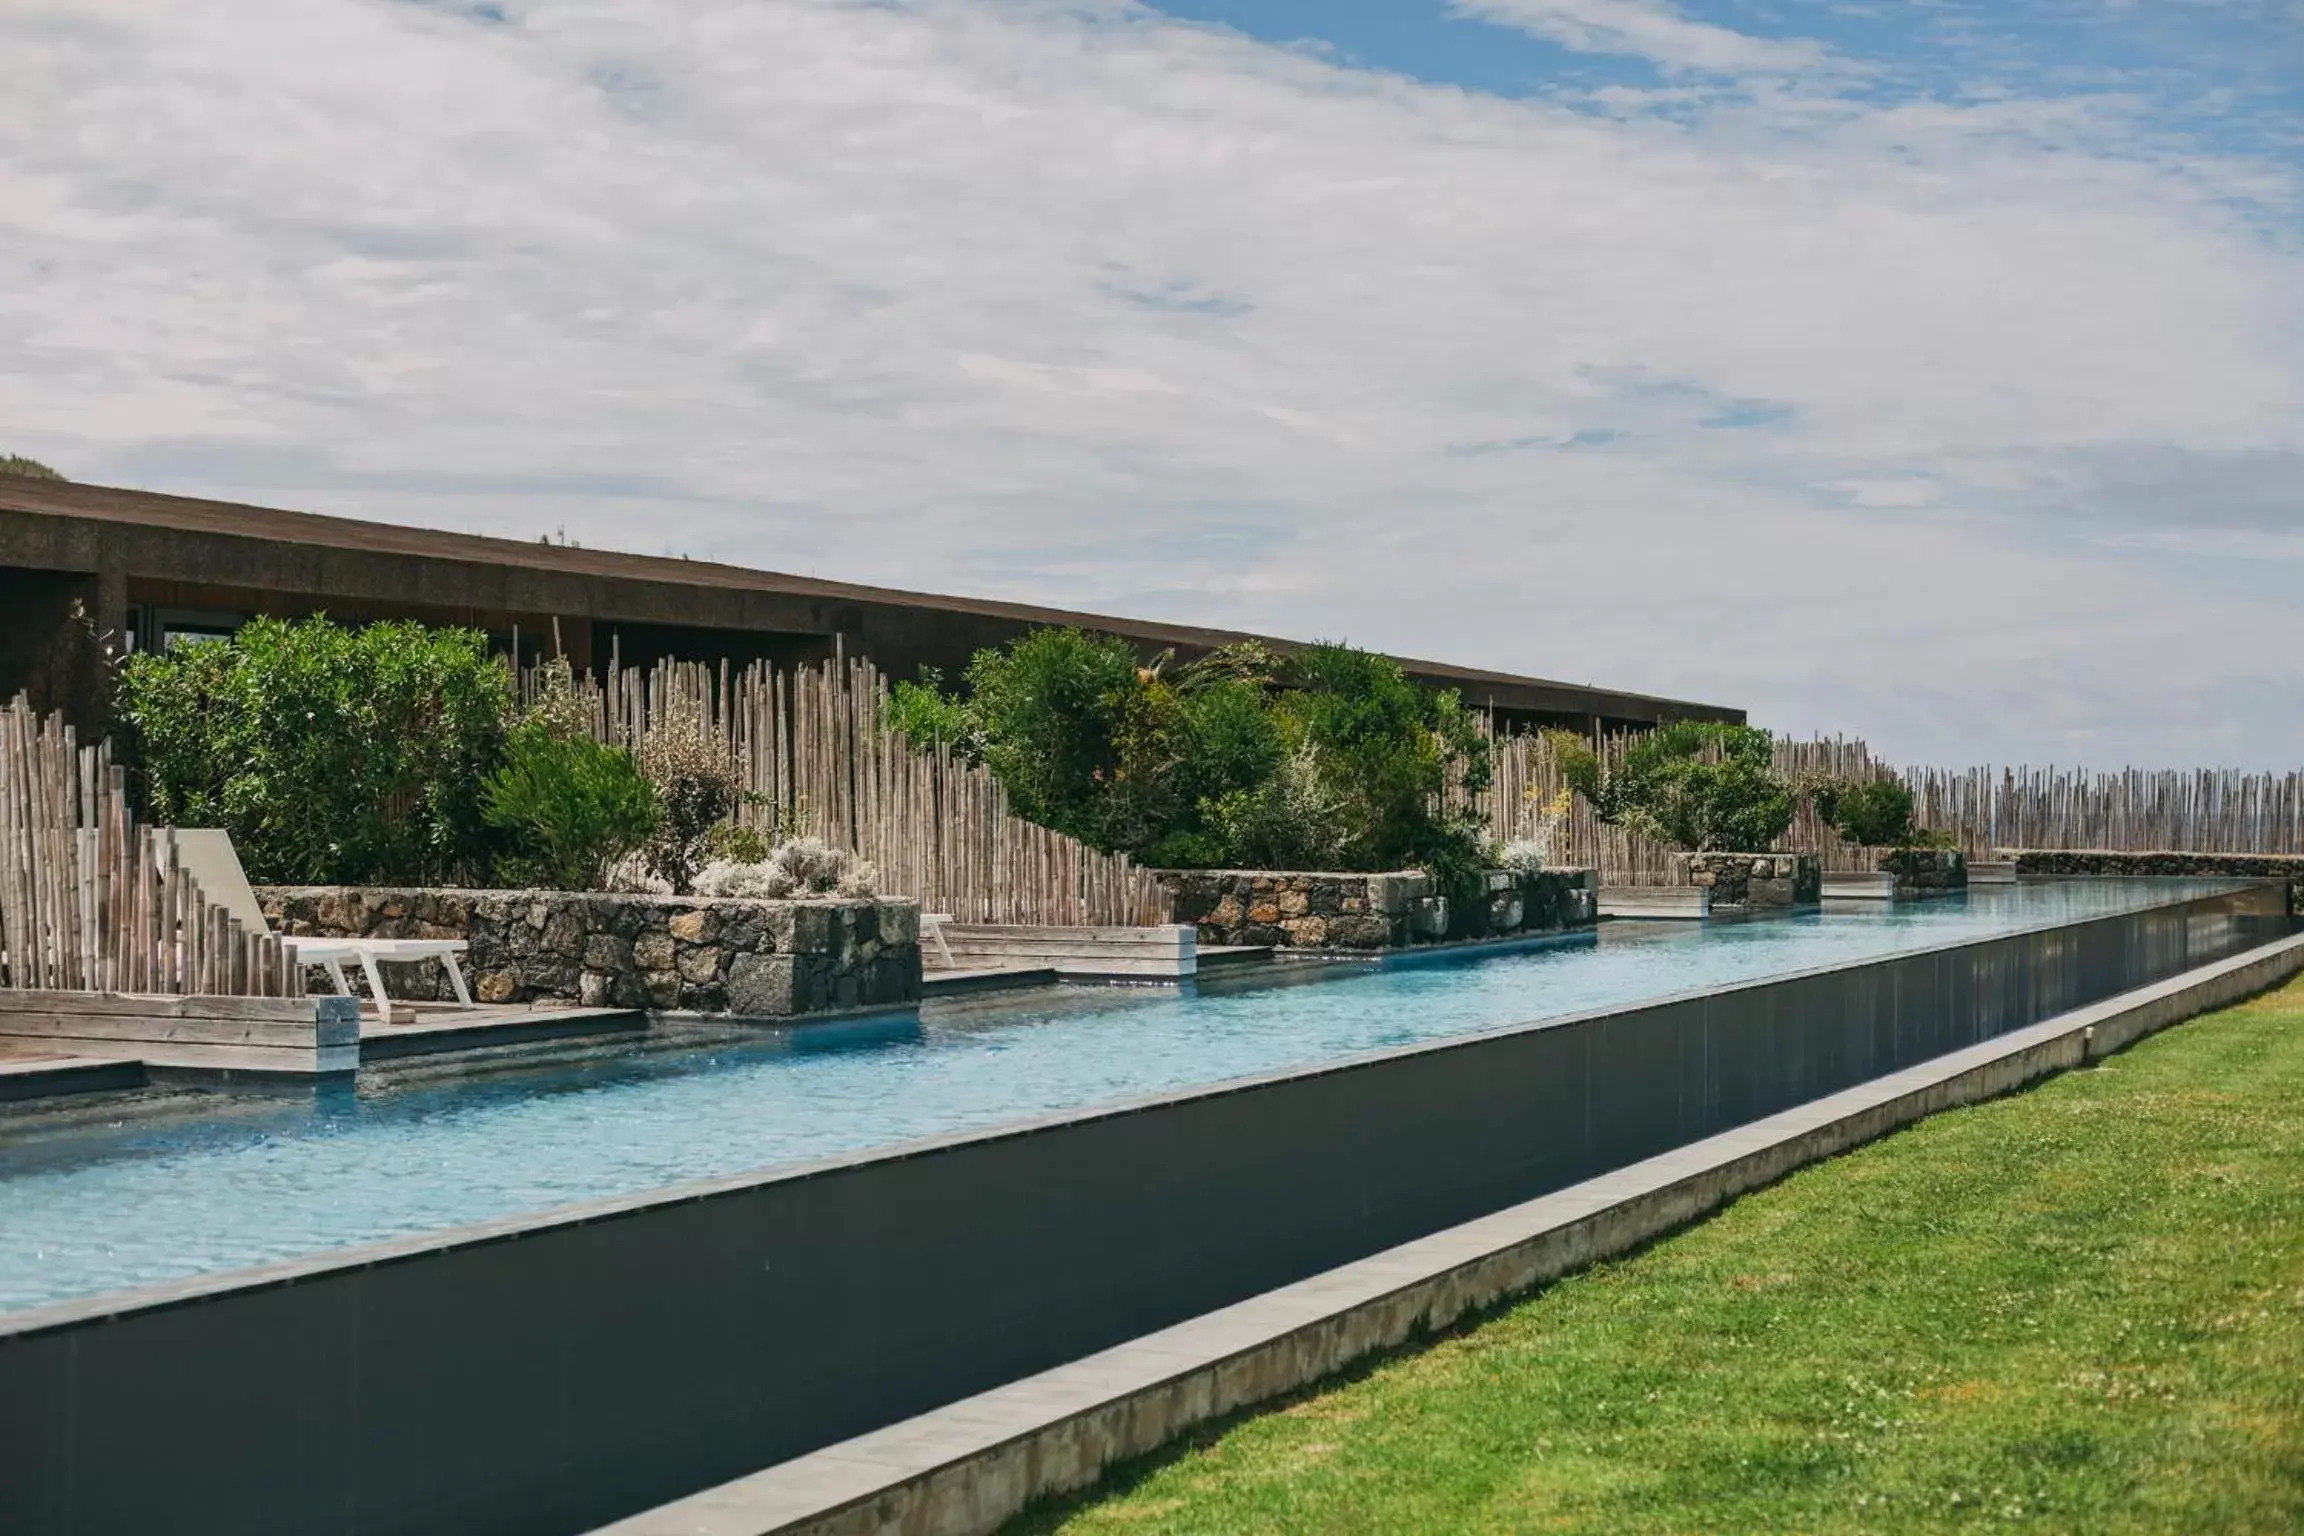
point(83, 565)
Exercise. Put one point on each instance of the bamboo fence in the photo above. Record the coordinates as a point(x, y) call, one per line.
point(1986, 809)
point(813, 752)
point(812, 749)
point(91, 902)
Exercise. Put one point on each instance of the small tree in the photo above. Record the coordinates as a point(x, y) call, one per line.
point(1388, 750)
point(1701, 785)
point(1052, 708)
point(1876, 813)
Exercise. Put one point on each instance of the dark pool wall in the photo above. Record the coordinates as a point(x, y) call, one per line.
point(547, 1377)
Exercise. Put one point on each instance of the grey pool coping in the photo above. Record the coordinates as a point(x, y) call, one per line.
point(282, 1273)
point(970, 1466)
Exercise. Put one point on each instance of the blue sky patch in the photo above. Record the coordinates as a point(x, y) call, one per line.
point(2225, 74)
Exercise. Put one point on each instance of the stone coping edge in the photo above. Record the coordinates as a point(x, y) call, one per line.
point(971, 1466)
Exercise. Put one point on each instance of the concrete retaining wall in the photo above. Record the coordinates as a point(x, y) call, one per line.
point(548, 1373)
point(967, 1469)
point(752, 959)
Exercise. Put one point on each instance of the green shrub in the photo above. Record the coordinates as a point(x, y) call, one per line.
point(1289, 821)
point(928, 716)
point(1052, 707)
point(569, 808)
point(1329, 758)
point(1877, 813)
point(731, 843)
point(1701, 785)
point(1387, 749)
point(1874, 812)
point(1228, 740)
point(332, 755)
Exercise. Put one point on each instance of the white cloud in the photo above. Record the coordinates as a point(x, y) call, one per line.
point(1072, 303)
point(1648, 29)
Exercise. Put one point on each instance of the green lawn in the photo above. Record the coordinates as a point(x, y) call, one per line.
point(2077, 1309)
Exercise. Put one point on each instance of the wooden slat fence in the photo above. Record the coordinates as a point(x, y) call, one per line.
point(91, 902)
point(812, 747)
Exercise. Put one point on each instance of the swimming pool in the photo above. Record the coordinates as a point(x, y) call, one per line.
point(168, 1185)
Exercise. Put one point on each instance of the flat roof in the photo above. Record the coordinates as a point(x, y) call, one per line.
point(126, 512)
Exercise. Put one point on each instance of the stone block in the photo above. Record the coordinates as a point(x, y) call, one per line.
point(1307, 932)
point(899, 923)
point(655, 951)
point(761, 986)
point(1364, 931)
point(699, 963)
point(1428, 917)
point(606, 952)
point(564, 932)
point(496, 987)
point(692, 927)
point(549, 975)
point(801, 927)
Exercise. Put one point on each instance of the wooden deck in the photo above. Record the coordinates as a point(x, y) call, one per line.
point(1166, 952)
point(295, 1036)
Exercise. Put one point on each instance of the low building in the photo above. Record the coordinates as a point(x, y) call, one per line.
point(83, 566)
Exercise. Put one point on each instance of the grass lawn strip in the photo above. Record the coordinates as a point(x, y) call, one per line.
point(2080, 1308)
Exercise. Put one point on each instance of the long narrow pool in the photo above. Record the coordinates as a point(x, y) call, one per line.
point(163, 1185)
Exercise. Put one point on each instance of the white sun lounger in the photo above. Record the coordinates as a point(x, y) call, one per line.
point(207, 855)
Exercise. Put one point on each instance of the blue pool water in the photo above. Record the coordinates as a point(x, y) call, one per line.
point(173, 1184)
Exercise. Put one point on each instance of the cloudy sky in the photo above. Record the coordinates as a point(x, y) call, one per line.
point(1928, 372)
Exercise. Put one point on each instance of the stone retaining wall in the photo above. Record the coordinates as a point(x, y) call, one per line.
point(1307, 909)
point(755, 959)
point(1756, 879)
point(1926, 869)
point(2238, 866)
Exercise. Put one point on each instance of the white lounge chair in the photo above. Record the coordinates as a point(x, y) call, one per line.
point(207, 855)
